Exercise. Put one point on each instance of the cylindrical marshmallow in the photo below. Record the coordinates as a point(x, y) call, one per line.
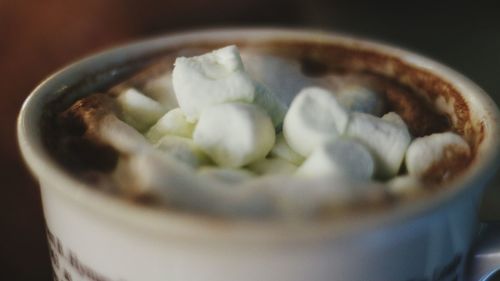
point(344, 158)
point(315, 117)
point(234, 134)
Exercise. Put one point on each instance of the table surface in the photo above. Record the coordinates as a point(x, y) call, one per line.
point(41, 36)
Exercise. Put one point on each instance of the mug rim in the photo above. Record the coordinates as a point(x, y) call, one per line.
point(187, 225)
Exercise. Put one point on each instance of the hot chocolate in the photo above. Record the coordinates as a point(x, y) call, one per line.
point(381, 95)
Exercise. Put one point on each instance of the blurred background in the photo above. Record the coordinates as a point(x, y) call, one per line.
point(38, 37)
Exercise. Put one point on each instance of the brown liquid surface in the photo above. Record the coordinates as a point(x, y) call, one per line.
point(69, 124)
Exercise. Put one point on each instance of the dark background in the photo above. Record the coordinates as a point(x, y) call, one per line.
point(38, 37)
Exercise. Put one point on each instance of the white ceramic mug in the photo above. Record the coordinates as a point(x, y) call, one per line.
point(94, 236)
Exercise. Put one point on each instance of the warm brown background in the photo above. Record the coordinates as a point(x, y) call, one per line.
point(38, 37)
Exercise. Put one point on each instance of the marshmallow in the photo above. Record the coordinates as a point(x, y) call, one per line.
point(226, 175)
point(282, 150)
point(161, 89)
point(234, 134)
point(177, 186)
point(183, 150)
point(267, 100)
point(404, 185)
point(345, 158)
point(213, 78)
point(282, 76)
point(314, 117)
point(386, 141)
point(124, 178)
point(272, 166)
point(361, 99)
point(298, 197)
point(173, 122)
point(428, 151)
point(120, 135)
point(159, 176)
point(138, 110)
point(395, 119)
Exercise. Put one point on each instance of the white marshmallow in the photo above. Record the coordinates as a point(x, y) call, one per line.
point(173, 122)
point(404, 185)
point(157, 175)
point(178, 186)
point(183, 150)
point(121, 136)
point(234, 134)
point(282, 150)
point(314, 117)
point(426, 151)
point(298, 197)
point(124, 178)
point(386, 141)
point(267, 100)
point(361, 99)
point(213, 78)
point(226, 175)
point(272, 166)
point(138, 110)
point(344, 158)
point(161, 89)
point(394, 118)
point(282, 76)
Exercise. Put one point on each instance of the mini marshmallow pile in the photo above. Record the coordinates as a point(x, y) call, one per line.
point(210, 121)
